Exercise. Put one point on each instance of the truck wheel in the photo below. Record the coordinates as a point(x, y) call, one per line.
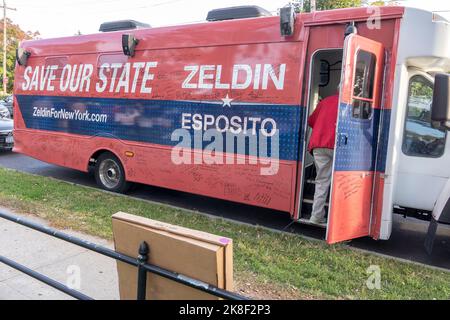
point(109, 173)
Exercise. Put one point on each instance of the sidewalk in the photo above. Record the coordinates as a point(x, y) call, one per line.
point(53, 258)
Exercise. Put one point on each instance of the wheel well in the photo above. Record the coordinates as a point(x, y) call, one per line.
point(94, 157)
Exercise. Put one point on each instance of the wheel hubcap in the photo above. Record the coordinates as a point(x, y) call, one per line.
point(109, 173)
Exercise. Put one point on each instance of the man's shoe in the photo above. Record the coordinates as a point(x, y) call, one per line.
point(316, 220)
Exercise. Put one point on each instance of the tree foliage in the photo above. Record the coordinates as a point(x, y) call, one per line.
point(384, 3)
point(332, 4)
point(14, 35)
point(337, 4)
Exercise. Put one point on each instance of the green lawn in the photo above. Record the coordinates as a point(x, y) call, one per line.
point(267, 264)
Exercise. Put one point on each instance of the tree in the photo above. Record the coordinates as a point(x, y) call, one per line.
point(336, 4)
point(384, 3)
point(14, 35)
point(332, 4)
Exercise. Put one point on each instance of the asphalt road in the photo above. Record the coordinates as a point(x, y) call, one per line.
point(406, 241)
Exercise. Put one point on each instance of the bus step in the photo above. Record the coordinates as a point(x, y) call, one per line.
point(311, 201)
point(306, 221)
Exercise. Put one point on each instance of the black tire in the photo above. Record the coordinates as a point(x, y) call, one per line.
point(109, 173)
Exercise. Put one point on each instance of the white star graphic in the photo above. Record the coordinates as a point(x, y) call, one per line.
point(227, 101)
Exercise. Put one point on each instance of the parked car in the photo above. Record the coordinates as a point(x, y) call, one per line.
point(8, 103)
point(6, 134)
point(4, 112)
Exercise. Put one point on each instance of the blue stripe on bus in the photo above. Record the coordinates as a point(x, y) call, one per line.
point(154, 121)
point(362, 152)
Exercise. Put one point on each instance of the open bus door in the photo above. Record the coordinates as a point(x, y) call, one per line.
point(354, 166)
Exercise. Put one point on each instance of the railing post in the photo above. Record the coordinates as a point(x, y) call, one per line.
point(142, 273)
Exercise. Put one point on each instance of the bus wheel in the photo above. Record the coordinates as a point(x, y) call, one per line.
point(109, 173)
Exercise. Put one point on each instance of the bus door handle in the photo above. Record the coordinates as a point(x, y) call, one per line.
point(342, 139)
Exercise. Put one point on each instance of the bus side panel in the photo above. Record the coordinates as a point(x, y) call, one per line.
point(152, 164)
point(144, 123)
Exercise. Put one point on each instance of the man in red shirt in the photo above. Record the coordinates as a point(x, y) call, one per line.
point(321, 145)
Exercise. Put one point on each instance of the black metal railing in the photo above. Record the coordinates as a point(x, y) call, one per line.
point(140, 262)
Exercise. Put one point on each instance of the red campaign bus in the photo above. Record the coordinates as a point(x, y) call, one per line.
point(220, 109)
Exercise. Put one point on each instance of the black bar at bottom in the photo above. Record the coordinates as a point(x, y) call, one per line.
point(52, 283)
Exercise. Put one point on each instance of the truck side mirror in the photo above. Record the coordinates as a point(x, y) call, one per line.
point(440, 108)
point(129, 43)
point(22, 56)
point(287, 21)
